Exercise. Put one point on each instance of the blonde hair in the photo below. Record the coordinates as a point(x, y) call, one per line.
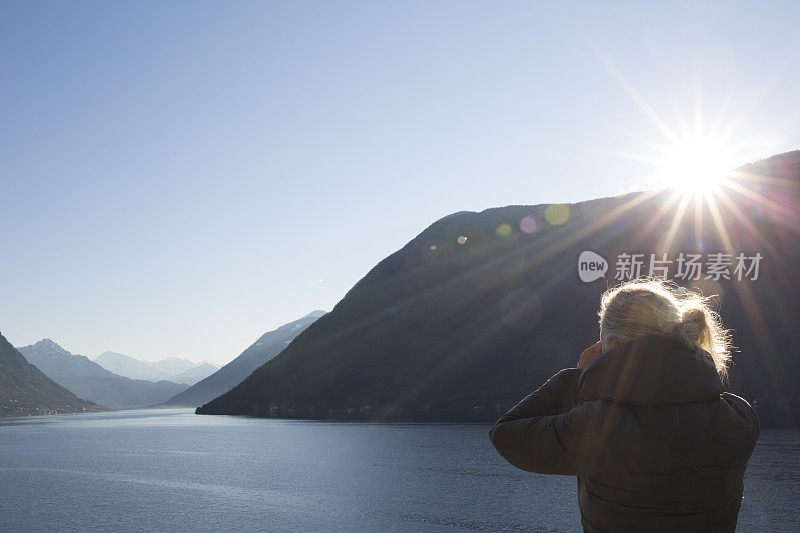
point(653, 306)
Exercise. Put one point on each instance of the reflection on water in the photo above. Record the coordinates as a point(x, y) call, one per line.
point(172, 470)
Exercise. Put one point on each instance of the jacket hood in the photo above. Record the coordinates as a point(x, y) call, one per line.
point(651, 370)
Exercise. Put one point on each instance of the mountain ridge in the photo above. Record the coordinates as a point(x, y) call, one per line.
point(262, 350)
point(172, 369)
point(88, 379)
point(479, 308)
point(25, 390)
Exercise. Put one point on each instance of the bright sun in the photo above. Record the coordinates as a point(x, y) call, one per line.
point(697, 166)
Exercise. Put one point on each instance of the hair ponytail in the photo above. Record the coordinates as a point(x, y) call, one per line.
point(692, 328)
point(700, 326)
point(654, 306)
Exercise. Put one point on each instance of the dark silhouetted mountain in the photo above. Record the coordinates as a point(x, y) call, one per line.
point(25, 390)
point(481, 308)
point(265, 348)
point(90, 380)
point(172, 369)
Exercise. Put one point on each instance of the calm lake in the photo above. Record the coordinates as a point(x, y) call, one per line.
point(172, 470)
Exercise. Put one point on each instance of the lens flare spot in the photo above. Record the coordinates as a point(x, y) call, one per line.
point(462, 239)
point(530, 224)
point(556, 214)
point(503, 230)
point(521, 309)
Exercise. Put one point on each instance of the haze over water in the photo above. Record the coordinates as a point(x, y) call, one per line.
point(172, 470)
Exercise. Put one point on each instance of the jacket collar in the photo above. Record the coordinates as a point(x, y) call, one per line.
point(651, 370)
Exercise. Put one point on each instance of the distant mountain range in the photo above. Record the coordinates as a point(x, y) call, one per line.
point(265, 348)
point(196, 373)
point(173, 369)
point(91, 381)
point(25, 390)
point(481, 308)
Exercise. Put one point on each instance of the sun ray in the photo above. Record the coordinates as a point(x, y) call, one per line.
point(719, 224)
point(698, 221)
point(656, 219)
point(599, 224)
point(634, 94)
point(676, 221)
point(763, 200)
point(744, 220)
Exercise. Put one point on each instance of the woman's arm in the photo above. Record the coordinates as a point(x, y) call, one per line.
point(558, 395)
point(532, 435)
point(550, 431)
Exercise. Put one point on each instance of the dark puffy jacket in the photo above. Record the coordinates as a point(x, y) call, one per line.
point(654, 441)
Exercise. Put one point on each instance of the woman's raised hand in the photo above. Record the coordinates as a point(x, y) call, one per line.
point(590, 354)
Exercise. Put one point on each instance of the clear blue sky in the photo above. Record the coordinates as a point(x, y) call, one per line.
point(179, 177)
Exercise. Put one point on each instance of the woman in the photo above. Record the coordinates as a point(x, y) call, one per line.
point(643, 420)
